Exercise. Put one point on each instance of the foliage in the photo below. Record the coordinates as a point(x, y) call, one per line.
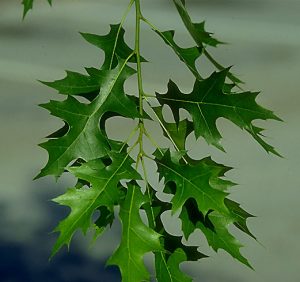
point(113, 173)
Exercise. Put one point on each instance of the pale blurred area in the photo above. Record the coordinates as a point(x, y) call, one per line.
point(264, 48)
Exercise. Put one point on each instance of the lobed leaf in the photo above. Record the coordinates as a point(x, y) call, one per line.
point(84, 138)
point(199, 191)
point(114, 46)
point(201, 37)
point(208, 101)
point(105, 218)
point(174, 252)
point(186, 55)
point(103, 192)
point(176, 132)
point(197, 30)
point(215, 226)
point(193, 181)
point(137, 238)
point(240, 216)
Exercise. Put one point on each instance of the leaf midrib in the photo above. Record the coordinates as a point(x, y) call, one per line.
point(89, 118)
point(97, 196)
point(210, 104)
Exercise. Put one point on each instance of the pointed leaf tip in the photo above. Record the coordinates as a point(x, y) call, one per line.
point(210, 100)
point(28, 5)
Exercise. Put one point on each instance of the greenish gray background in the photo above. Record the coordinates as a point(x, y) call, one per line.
point(264, 39)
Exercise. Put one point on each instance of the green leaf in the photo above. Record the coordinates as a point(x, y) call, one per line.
point(220, 238)
point(137, 238)
point(208, 102)
point(198, 190)
point(240, 216)
point(169, 271)
point(177, 133)
point(189, 216)
point(84, 138)
point(196, 30)
point(76, 83)
point(28, 4)
point(103, 192)
point(105, 218)
point(175, 252)
point(186, 55)
point(193, 181)
point(201, 37)
point(215, 228)
point(167, 263)
point(113, 45)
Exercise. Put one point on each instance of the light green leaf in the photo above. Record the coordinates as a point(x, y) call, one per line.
point(208, 102)
point(85, 201)
point(137, 238)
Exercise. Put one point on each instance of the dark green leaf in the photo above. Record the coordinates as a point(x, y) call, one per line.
point(28, 4)
point(196, 30)
point(220, 238)
point(240, 216)
point(215, 228)
point(167, 270)
point(201, 37)
point(167, 263)
point(105, 218)
point(187, 55)
point(208, 102)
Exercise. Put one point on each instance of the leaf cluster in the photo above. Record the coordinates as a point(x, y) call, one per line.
point(112, 173)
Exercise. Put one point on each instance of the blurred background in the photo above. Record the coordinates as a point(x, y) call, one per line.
point(264, 37)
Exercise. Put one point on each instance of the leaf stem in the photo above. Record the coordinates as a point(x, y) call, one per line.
point(150, 214)
point(129, 138)
point(119, 29)
point(141, 154)
point(166, 131)
point(138, 17)
point(154, 143)
point(138, 56)
point(187, 21)
point(195, 73)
